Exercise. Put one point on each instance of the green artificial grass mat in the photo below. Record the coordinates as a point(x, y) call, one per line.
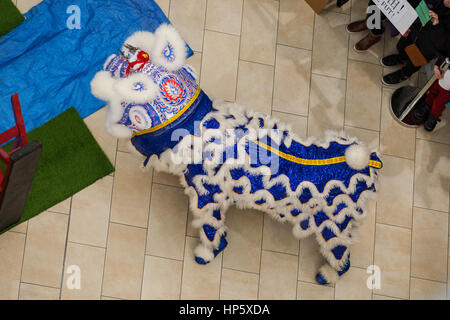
point(10, 17)
point(71, 160)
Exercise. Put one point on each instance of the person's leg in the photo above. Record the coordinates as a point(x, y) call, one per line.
point(375, 31)
point(441, 97)
point(359, 25)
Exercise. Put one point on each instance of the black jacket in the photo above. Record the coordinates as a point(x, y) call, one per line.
point(435, 39)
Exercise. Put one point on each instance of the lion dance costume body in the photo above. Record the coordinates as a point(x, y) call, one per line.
point(228, 155)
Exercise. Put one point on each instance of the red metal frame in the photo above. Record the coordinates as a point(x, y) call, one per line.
point(17, 133)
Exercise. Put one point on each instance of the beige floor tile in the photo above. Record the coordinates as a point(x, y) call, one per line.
point(255, 86)
point(219, 65)
point(310, 259)
point(346, 8)
point(392, 256)
point(277, 277)
point(259, 31)
point(190, 230)
point(44, 251)
point(238, 285)
point(395, 195)
point(309, 291)
point(21, 228)
point(188, 16)
point(292, 80)
point(195, 61)
point(108, 298)
point(62, 207)
point(96, 124)
point(123, 145)
point(167, 225)
point(432, 177)
point(427, 290)
point(363, 102)
point(164, 5)
point(395, 139)
point(244, 240)
point(90, 213)
point(167, 179)
point(362, 250)
point(373, 54)
point(330, 45)
point(353, 286)
point(429, 245)
point(296, 24)
point(326, 105)
point(448, 269)
point(278, 237)
point(12, 245)
point(131, 191)
point(369, 137)
point(224, 16)
point(299, 123)
point(441, 133)
point(25, 5)
point(380, 297)
point(200, 282)
point(90, 261)
point(124, 262)
point(162, 279)
point(35, 292)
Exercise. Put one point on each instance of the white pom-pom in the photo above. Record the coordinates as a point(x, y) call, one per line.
point(357, 156)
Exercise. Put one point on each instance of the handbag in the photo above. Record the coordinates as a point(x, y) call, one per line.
point(415, 55)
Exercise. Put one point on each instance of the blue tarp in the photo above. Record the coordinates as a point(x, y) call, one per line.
point(50, 66)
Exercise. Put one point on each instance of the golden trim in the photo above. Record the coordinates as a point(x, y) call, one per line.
point(175, 117)
point(311, 162)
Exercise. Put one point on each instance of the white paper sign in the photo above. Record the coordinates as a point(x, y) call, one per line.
point(399, 12)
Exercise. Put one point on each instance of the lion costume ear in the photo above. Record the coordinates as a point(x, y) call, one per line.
point(143, 40)
point(169, 49)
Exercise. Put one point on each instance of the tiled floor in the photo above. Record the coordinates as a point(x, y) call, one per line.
point(280, 58)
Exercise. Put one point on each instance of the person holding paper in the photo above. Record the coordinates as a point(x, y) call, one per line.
point(370, 23)
point(432, 40)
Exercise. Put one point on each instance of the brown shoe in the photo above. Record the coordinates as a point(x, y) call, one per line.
point(365, 43)
point(357, 26)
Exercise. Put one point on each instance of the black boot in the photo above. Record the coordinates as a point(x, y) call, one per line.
point(340, 3)
point(431, 123)
point(421, 113)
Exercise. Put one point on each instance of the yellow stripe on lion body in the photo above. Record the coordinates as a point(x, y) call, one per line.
point(311, 162)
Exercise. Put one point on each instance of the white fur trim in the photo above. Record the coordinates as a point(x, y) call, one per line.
point(125, 87)
point(204, 253)
point(102, 85)
point(119, 131)
point(357, 156)
point(143, 40)
point(329, 273)
point(167, 34)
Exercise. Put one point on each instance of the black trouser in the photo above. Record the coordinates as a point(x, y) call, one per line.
point(377, 31)
point(409, 69)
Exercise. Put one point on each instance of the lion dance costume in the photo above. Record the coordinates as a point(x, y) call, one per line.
point(228, 155)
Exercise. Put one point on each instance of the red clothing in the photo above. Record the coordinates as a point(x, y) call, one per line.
point(436, 99)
